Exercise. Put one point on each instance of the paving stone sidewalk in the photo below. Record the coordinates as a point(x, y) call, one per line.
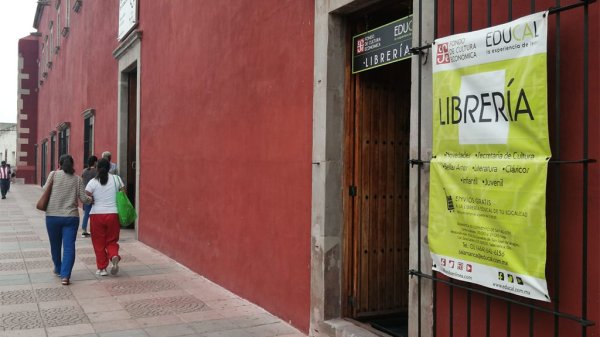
point(151, 296)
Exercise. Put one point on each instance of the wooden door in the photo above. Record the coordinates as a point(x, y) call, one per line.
point(377, 228)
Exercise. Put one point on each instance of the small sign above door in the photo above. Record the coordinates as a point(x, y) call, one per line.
point(127, 17)
point(383, 45)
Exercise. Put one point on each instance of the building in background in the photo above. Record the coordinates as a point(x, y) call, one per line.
point(257, 158)
point(27, 109)
point(8, 143)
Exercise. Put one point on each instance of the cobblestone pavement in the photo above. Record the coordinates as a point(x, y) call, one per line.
point(151, 296)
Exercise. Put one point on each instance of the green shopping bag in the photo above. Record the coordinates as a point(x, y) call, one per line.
point(127, 214)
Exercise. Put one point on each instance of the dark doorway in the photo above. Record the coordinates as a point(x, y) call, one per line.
point(88, 139)
point(35, 163)
point(52, 152)
point(44, 162)
point(131, 134)
point(376, 207)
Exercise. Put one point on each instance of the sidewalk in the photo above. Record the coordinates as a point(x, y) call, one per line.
point(151, 296)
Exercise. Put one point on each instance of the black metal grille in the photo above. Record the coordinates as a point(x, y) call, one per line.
point(536, 313)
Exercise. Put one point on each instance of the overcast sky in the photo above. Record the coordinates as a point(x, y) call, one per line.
point(16, 21)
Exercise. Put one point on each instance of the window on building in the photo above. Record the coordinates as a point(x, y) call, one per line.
point(47, 53)
point(41, 70)
point(88, 135)
point(65, 29)
point(58, 35)
point(64, 131)
point(51, 43)
point(77, 6)
point(51, 37)
point(44, 66)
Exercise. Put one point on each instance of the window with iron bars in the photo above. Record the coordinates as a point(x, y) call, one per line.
point(88, 138)
point(63, 141)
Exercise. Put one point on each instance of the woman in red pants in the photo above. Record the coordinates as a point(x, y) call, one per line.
point(104, 219)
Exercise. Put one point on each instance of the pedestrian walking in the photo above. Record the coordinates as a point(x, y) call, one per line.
point(4, 179)
point(10, 176)
point(88, 174)
point(113, 166)
point(104, 218)
point(62, 215)
point(13, 175)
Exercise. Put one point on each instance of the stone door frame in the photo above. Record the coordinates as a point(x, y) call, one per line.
point(327, 219)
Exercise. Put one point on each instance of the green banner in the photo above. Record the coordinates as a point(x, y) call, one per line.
point(487, 207)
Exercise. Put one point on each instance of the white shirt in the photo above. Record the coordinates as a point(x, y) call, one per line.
point(4, 172)
point(105, 196)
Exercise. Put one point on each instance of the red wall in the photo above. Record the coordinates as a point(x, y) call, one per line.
point(226, 119)
point(83, 76)
point(28, 50)
point(566, 196)
point(225, 154)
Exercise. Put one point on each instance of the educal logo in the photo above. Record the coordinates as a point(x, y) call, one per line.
point(443, 54)
point(457, 50)
point(513, 34)
point(360, 45)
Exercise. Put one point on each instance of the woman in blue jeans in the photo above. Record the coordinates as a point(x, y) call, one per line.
point(88, 174)
point(62, 216)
